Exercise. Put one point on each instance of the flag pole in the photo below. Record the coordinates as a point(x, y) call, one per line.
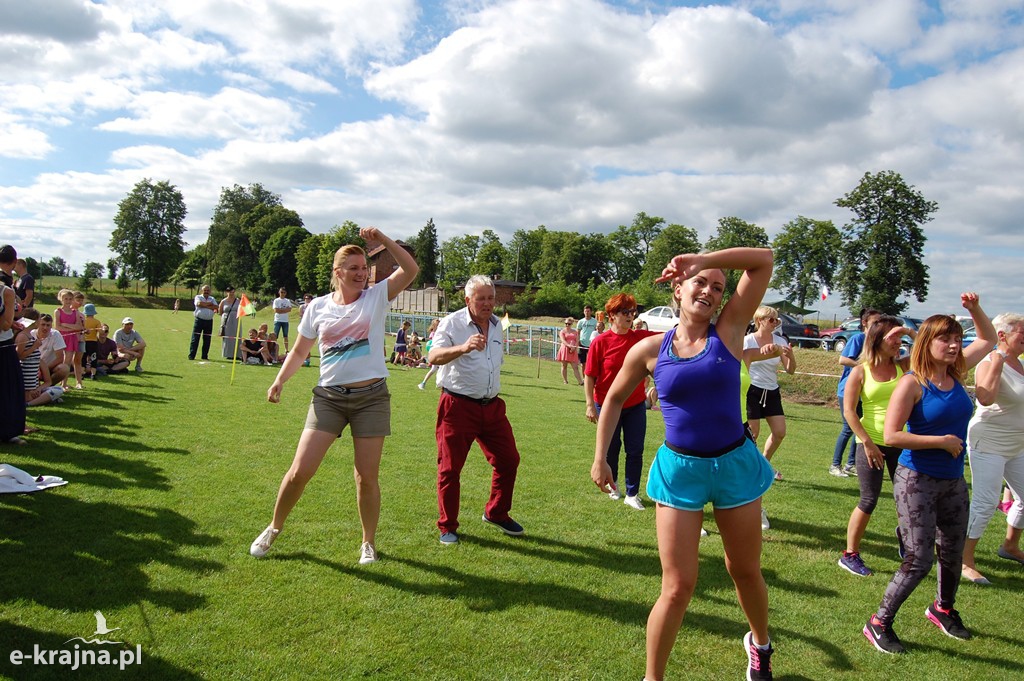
point(244, 309)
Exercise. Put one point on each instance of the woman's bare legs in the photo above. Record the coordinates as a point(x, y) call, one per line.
point(310, 452)
point(741, 538)
point(368, 452)
point(678, 536)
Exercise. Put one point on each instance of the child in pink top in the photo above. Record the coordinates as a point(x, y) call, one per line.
point(69, 322)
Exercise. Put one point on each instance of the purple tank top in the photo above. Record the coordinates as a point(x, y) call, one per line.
point(699, 395)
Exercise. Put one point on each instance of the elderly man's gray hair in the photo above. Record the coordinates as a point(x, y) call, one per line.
point(476, 281)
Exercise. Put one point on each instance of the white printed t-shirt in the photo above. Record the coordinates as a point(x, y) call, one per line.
point(351, 336)
point(281, 302)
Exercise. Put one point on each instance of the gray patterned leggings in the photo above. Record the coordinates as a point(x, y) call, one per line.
point(931, 511)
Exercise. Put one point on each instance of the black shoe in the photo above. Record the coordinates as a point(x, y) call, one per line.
point(759, 662)
point(883, 637)
point(507, 526)
point(948, 621)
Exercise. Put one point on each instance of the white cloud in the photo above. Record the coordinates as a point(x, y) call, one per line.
point(19, 140)
point(575, 116)
point(229, 114)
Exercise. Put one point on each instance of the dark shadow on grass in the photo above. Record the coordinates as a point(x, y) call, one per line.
point(91, 452)
point(17, 637)
point(70, 554)
point(488, 594)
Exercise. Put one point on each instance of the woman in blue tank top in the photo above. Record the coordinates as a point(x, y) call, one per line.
point(706, 456)
point(929, 487)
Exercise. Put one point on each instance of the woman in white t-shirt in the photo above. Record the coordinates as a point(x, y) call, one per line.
point(764, 399)
point(352, 390)
point(995, 440)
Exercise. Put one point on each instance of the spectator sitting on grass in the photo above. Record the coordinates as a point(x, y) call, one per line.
point(107, 359)
point(51, 347)
point(130, 344)
point(272, 349)
point(37, 391)
point(254, 351)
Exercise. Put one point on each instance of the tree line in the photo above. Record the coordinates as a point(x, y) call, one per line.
point(257, 244)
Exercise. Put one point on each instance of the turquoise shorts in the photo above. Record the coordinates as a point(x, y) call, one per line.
point(727, 481)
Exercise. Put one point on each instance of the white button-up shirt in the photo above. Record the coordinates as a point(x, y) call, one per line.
point(477, 373)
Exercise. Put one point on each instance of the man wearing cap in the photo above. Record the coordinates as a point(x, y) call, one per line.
point(469, 349)
point(129, 343)
point(206, 307)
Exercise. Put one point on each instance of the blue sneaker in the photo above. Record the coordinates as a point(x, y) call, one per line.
point(507, 526)
point(852, 563)
point(449, 538)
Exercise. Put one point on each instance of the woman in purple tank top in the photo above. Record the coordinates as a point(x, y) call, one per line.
point(700, 464)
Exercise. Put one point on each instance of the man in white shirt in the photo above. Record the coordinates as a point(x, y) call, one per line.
point(468, 347)
point(129, 343)
point(51, 349)
point(282, 306)
point(206, 307)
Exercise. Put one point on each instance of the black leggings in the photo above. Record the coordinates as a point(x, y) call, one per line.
point(870, 479)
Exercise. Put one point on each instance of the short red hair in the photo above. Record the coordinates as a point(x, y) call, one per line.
point(620, 302)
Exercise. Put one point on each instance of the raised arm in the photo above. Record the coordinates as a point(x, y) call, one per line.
point(756, 264)
point(987, 336)
point(407, 267)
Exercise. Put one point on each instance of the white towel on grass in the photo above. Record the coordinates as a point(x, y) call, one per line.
point(16, 481)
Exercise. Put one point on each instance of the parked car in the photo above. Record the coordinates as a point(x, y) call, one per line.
point(661, 318)
point(838, 340)
point(791, 329)
point(849, 324)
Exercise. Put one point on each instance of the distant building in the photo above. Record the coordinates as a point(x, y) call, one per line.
point(382, 263)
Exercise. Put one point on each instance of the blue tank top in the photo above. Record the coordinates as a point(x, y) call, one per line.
point(939, 412)
point(699, 395)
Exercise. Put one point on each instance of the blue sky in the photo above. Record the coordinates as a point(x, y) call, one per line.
point(575, 114)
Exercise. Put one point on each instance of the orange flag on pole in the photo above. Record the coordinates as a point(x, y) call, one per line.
point(245, 308)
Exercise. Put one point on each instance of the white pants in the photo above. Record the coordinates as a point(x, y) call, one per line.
point(1015, 516)
point(987, 474)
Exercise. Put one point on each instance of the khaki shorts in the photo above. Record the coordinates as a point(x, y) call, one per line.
point(368, 413)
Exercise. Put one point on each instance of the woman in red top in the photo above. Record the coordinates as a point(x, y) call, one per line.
point(604, 360)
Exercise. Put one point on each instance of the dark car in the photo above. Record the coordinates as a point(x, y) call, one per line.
point(793, 330)
point(839, 339)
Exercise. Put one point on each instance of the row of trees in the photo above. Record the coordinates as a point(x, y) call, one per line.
point(258, 244)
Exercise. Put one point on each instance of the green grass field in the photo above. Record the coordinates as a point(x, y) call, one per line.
point(174, 472)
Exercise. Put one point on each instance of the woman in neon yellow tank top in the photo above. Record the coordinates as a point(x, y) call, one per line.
point(871, 382)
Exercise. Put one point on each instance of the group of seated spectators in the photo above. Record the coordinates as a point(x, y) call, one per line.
point(39, 352)
point(48, 359)
point(261, 347)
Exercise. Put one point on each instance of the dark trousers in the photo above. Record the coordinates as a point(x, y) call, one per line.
point(846, 438)
point(933, 515)
point(202, 327)
point(631, 430)
point(460, 423)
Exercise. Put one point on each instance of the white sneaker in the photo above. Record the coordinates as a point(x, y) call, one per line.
point(261, 546)
point(764, 520)
point(633, 502)
point(367, 554)
point(614, 494)
point(703, 532)
point(420, 386)
point(838, 472)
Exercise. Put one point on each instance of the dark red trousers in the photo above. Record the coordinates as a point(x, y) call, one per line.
point(460, 423)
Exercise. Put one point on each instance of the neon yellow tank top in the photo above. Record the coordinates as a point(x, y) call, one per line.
point(874, 399)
